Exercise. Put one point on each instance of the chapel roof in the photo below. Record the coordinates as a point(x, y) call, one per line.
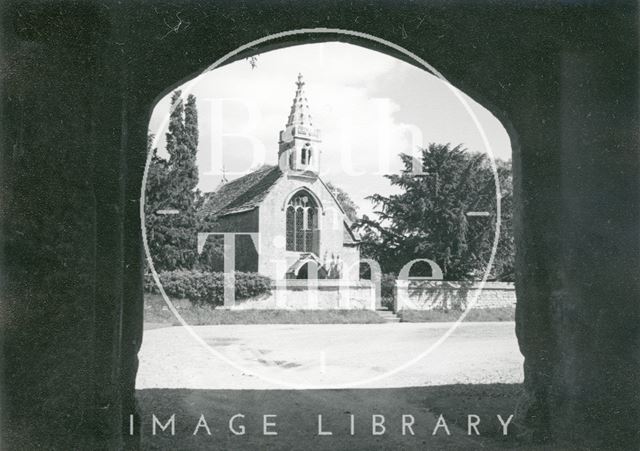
point(242, 194)
point(247, 192)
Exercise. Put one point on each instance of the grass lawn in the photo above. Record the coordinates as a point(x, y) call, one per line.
point(426, 316)
point(157, 314)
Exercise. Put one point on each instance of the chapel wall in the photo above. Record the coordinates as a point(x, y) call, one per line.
point(274, 258)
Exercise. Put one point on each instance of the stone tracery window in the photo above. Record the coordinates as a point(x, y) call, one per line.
point(302, 232)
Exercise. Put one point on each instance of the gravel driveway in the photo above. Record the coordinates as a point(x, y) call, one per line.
point(329, 356)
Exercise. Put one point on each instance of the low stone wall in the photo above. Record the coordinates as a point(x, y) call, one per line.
point(438, 294)
point(315, 295)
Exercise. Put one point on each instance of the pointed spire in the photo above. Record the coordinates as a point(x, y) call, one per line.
point(300, 114)
point(298, 143)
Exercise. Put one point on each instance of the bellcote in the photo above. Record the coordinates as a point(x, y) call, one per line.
point(299, 149)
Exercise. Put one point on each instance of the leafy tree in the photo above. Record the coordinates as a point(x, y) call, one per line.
point(347, 204)
point(505, 253)
point(172, 185)
point(155, 190)
point(429, 218)
point(182, 147)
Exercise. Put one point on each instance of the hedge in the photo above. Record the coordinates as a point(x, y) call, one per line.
point(388, 285)
point(202, 287)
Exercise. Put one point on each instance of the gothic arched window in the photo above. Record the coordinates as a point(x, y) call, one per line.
point(302, 223)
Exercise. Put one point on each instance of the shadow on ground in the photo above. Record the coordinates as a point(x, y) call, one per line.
point(297, 417)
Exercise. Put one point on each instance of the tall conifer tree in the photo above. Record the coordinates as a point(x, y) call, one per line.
point(172, 185)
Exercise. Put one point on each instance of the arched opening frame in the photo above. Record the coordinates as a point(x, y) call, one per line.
point(303, 36)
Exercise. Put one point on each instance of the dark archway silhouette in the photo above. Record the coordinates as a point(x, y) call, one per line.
point(78, 86)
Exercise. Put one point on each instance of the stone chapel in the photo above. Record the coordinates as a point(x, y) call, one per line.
point(301, 229)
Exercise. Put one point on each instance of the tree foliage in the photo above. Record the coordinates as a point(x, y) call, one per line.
point(172, 185)
point(347, 204)
point(428, 219)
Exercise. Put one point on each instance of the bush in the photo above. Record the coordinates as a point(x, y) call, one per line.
point(207, 288)
point(388, 290)
point(388, 286)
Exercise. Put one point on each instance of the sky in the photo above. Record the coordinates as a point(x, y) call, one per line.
point(369, 107)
